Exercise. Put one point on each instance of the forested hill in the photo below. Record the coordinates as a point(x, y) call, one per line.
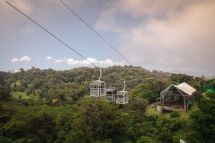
point(45, 83)
point(73, 84)
point(113, 76)
point(48, 106)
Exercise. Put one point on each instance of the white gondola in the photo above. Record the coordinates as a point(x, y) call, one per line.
point(111, 94)
point(122, 96)
point(98, 87)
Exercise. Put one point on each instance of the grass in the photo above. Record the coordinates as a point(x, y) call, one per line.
point(151, 110)
point(22, 95)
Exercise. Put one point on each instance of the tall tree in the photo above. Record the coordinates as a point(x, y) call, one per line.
point(204, 123)
point(4, 92)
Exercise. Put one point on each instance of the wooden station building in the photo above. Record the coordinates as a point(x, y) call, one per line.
point(176, 98)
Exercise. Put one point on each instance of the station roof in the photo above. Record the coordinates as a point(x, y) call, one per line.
point(186, 88)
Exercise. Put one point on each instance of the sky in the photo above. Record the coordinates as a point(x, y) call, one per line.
point(166, 35)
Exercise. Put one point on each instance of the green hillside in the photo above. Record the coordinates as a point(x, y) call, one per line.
point(48, 106)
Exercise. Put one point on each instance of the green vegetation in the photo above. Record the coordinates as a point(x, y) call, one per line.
point(47, 106)
point(152, 111)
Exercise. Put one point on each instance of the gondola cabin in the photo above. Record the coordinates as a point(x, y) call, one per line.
point(111, 94)
point(122, 96)
point(97, 88)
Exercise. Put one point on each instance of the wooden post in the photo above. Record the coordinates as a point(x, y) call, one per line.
point(163, 100)
point(184, 103)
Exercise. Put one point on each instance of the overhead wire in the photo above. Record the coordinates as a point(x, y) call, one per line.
point(51, 34)
point(93, 30)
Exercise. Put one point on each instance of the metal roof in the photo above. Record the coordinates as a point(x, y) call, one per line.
point(97, 82)
point(186, 88)
point(111, 89)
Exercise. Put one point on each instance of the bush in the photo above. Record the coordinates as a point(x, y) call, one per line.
point(197, 96)
point(4, 93)
point(174, 114)
point(145, 139)
point(5, 140)
point(210, 95)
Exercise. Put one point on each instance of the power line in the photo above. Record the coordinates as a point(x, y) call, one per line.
point(93, 30)
point(55, 37)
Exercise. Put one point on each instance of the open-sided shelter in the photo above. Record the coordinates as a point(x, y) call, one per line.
point(176, 98)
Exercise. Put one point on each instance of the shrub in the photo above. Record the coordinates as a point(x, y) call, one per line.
point(174, 114)
point(197, 96)
point(210, 95)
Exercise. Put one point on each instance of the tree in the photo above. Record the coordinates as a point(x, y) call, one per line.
point(43, 128)
point(179, 78)
point(67, 92)
point(4, 93)
point(2, 82)
point(199, 83)
point(5, 140)
point(149, 90)
point(204, 123)
point(97, 119)
point(210, 95)
point(138, 104)
point(145, 139)
point(197, 96)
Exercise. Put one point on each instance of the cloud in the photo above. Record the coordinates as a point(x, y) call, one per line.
point(25, 5)
point(48, 58)
point(27, 28)
point(80, 63)
point(58, 61)
point(176, 36)
point(101, 63)
point(21, 59)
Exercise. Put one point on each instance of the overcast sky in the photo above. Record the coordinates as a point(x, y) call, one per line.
point(168, 35)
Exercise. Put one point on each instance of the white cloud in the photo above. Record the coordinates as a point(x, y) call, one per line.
point(101, 63)
point(172, 35)
point(21, 59)
point(80, 63)
point(25, 5)
point(48, 58)
point(58, 61)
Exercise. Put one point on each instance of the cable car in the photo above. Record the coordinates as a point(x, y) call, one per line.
point(98, 87)
point(122, 96)
point(111, 94)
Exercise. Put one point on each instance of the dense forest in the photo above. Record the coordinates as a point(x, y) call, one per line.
point(48, 106)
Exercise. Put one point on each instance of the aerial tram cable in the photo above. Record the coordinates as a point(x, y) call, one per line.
point(54, 36)
point(98, 87)
point(93, 30)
